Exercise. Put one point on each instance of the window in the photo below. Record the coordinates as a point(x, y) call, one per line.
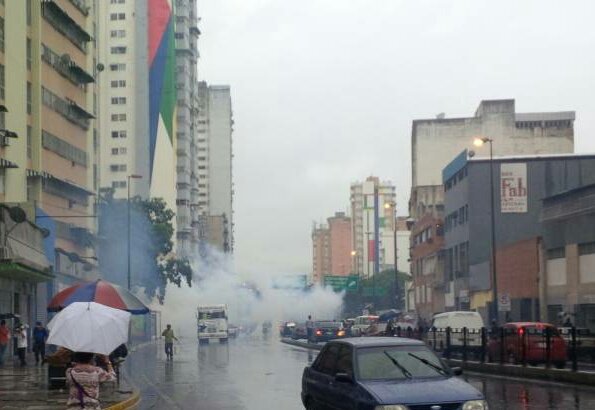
point(117, 1)
point(117, 167)
point(123, 150)
point(345, 360)
point(118, 50)
point(587, 262)
point(118, 100)
point(119, 184)
point(29, 56)
point(2, 82)
point(28, 11)
point(29, 97)
point(118, 117)
point(29, 141)
point(117, 67)
point(117, 16)
point(556, 253)
point(114, 151)
point(327, 360)
point(118, 83)
point(117, 33)
point(118, 134)
point(2, 34)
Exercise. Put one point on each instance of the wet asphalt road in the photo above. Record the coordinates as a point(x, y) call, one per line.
point(257, 372)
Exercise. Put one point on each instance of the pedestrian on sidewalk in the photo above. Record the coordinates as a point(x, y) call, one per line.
point(4, 339)
point(40, 335)
point(21, 333)
point(84, 379)
point(169, 335)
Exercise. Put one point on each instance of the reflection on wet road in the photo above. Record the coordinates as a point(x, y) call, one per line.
point(256, 372)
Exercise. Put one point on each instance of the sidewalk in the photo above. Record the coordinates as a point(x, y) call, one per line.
point(27, 388)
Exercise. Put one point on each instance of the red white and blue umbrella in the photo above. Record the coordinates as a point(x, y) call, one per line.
point(102, 292)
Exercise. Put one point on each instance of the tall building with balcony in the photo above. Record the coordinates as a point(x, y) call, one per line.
point(214, 165)
point(48, 161)
point(138, 102)
point(187, 213)
point(372, 210)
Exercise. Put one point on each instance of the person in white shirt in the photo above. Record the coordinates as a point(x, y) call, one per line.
point(21, 334)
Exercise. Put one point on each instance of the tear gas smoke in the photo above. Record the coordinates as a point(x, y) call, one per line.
point(251, 297)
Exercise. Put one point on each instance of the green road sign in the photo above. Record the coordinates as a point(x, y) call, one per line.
point(341, 283)
point(370, 291)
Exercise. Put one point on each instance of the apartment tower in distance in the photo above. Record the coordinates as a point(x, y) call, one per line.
point(331, 248)
point(215, 170)
point(138, 102)
point(47, 84)
point(187, 34)
point(372, 210)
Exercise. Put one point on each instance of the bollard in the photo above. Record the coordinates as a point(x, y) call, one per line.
point(524, 345)
point(501, 345)
point(548, 347)
point(573, 349)
point(447, 351)
point(464, 344)
point(483, 345)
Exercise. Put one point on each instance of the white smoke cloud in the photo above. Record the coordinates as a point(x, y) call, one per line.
point(218, 282)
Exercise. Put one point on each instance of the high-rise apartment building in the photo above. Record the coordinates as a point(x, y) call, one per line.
point(214, 163)
point(187, 213)
point(372, 210)
point(48, 85)
point(331, 248)
point(138, 102)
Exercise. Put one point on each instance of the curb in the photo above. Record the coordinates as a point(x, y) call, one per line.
point(130, 403)
point(304, 345)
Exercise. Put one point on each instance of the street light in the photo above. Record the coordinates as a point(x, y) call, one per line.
point(478, 142)
point(390, 205)
point(132, 176)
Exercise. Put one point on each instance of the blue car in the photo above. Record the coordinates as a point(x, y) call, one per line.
point(385, 373)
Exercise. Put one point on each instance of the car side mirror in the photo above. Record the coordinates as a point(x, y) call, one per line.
point(343, 378)
point(457, 371)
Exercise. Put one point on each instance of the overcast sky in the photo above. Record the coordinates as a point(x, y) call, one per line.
point(324, 93)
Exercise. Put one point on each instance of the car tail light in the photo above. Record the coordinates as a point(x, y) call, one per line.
point(318, 332)
point(521, 331)
point(341, 333)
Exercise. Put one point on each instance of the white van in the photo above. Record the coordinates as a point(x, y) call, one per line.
point(456, 321)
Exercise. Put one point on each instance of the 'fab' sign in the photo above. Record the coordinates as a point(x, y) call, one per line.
point(513, 187)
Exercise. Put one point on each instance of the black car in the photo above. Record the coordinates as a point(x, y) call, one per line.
point(325, 330)
point(384, 373)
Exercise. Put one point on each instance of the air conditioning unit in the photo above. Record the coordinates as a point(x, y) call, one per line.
point(5, 253)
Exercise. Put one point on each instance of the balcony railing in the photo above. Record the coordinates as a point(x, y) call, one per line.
point(64, 24)
point(66, 67)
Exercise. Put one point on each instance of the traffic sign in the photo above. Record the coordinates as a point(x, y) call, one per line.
point(504, 304)
point(342, 283)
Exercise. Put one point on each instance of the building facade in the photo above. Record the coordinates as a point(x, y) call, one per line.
point(321, 260)
point(372, 209)
point(521, 183)
point(331, 248)
point(138, 102)
point(187, 34)
point(214, 161)
point(569, 256)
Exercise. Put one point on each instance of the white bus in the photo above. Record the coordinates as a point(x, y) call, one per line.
point(212, 323)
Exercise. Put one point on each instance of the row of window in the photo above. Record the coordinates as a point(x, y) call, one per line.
point(456, 261)
point(118, 50)
point(458, 177)
point(458, 217)
point(64, 107)
point(118, 167)
point(117, 33)
point(544, 124)
point(586, 248)
point(117, 16)
point(119, 151)
point(118, 117)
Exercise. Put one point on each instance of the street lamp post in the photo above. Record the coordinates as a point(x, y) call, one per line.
point(132, 176)
point(478, 142)
point(394, 206)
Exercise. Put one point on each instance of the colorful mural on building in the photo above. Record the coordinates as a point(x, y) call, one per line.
point(162, 96)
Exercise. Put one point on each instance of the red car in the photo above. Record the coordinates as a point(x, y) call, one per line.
point(528, 338)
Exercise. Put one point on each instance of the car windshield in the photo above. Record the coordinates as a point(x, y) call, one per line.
point(398, 362)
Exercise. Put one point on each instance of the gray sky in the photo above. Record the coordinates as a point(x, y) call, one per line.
point(324, 93)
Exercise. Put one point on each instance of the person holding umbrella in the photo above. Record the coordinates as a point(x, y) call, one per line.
point(84, 379)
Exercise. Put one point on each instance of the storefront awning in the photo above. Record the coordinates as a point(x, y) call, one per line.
point(20, 270)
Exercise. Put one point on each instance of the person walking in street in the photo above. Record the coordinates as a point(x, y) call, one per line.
point(309, 327)
point(4, 338)
point(21, 334)
point(169, 335)
point(84, 379)
point(40, 335)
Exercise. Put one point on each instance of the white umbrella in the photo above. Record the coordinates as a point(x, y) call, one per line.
point(89, 327)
